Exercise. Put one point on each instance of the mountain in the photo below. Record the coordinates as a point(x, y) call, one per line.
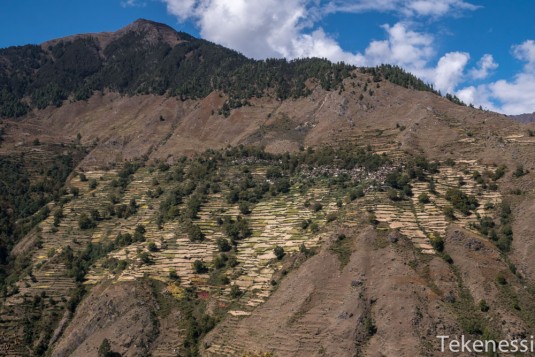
point(524, 118)
point(163, 195)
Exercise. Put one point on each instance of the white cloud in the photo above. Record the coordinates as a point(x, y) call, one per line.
point(449, 71)
point(405, 8)
point(438, 7)
point(133, 3)
point(403, 47)
point(510, 97)
point(485, 65)
point(289, 28)
point(181, 8)
point(516, 97)
point(526, 52)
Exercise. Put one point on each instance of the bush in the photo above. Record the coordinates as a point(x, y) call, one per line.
point(449, 213)
point(82, 177)
point(519, 172)
point(356, 193)
point(145, 257)
point(85, 222)
point(500, 279)
point(152, 247)
point(331, 217)
point(223, 245)
point(235, 291)
point(75, 191)
point(372, 219)
point(305, 223)
point(393, 195)
point(438, 244)
point(194, 233)
point(199, 267)
point(244, 207)
point(93, 184)
point(279, 252)
point(220, 261)
point(483, 306)
point(424, 198)
point(317, 207)
point(173, 275)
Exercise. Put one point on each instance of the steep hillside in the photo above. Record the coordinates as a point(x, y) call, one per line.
point(164, 196)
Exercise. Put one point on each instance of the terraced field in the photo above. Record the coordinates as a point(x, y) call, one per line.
point(167, 254)
point(422, 222)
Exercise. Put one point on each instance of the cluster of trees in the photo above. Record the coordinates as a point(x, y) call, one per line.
point(399, 76)
point(191, 69)
point(236, 229)
point(24, 195)
point(461, 200)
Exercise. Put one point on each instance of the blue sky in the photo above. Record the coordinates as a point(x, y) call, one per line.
point(482, 51)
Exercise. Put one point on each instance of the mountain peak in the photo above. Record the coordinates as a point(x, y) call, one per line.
point(154, 31)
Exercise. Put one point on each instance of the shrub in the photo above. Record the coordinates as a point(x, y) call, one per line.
point(317, 207)
point(279, 252)
point(199, 267)
point(519, 172)
point(223, 245)
point(449, 212)
point(82, 177)
point(483, 306)
point(438, 244)
point(173, 275)
point(393, 195)
point(423, 198)
point(152, 247)
point(500, 279)
point(235, 291)
point(499, 173)
point(220, 261)
point(75, 191)
point(194, 233)
point(244, 207)
point(85, 222)
point(356, 193)
point(93, 184)
point(372, 219)
point(305, 223)
point(331, 217)
point(369, 326)
point(145, 257)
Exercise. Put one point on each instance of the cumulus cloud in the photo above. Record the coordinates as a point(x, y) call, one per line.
point(449, 71)
point(526, 52)
point(403, 47)
point(286, 28)
point(508, 96)
point(485, 65)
